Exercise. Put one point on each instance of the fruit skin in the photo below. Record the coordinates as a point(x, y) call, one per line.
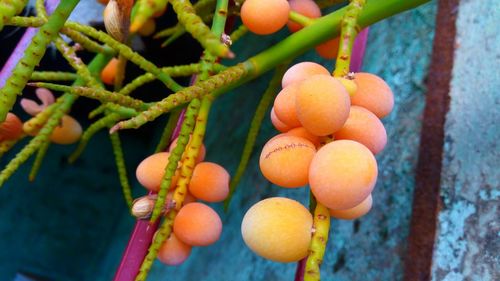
point(277, 123)
point(68, 132)
point(285, 160)
point(355, 212)
point(265, 17)
point(307, 8)
point(173, 251)
point(303, 133)
point(284, 106)
point(109, 72)
point(364, 127)
point(150, 171)
point(210, 182)
point(11, 128)
point(373, 93)
point(197, 224)
point(329, 49)
point(301, 71)
point(322, 104)
point(342, 174)
point(278, 229)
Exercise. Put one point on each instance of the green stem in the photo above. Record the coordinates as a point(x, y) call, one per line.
point(300, 19)
point(260, 113)
point(169, 129)
point(122, 170)
point(347, 35)
point(321, 227)
point(33, 55)
point(53, 76)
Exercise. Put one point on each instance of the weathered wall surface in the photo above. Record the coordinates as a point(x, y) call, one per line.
point(467, 244)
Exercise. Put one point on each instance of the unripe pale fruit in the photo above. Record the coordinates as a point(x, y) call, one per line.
point(342, 174)
point(285, 160)
point(355, 212)
point(306, 8)
point(373, 93)
point(277, 123)
point(210, 182)
point(322, 104)
point(303, 133)
point(201, 153)
point(329, 49)
point(173, 251)
point(68, 132)
point(302, 71)
point(364, 127)
point(265, 17)
point(284, 106)
point(150, 171)
point(197, 224)
point(278, 229)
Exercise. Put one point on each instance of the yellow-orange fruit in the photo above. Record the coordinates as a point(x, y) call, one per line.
point(322, 104)
point(68, 132)
point(303, 133)
point(150, 171)
point(277, 123)
point(265, 17)
point(173, 251)
point(278, 229)
point(328, 49)
point(210, 182)
point(306, 8)
point(196, 224)
point(109, 72)
point(284, 106)
point(189, 198)
point(364, 127)
point(201, 153)
point(147, 28)
point(285, 160)
point(342, 174)
point(355, 212)
point(373, 93)
point(11, 128)
point(302, 71)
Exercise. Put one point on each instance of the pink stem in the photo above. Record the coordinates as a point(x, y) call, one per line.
point(357, 55)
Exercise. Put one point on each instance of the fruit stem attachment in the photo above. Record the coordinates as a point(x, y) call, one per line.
point(300, 19)
point(321, 227)
point(348, 33)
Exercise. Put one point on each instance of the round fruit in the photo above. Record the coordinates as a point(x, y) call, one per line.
point(148, 28)
point(210, 182)
point(151, 170)
point(265, 17)
point(196, 224)
point(284, 106)
point(302, 71)
point(373, 94)
point(364, 127)
point(277, 123)
point(278, 229)
point(285, 160)
point(355, 212)
point(173, 251)
point(109, 72)
point(306, 8)
point(303, 133)
point(11, 128)
point(68, 132)
point(328, 49)
point(342, 174)
point(322, 104)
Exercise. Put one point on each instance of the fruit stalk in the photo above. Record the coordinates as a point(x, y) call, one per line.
point(321, 227)
point(32, 56)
